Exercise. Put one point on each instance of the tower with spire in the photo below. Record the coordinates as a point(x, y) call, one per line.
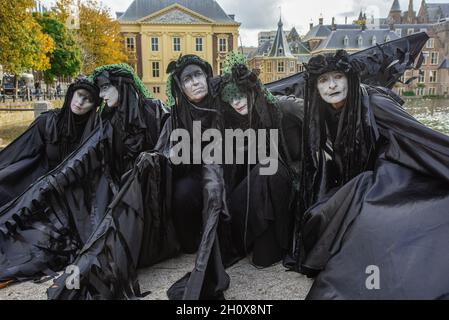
point(280, 46)
point(394, 16)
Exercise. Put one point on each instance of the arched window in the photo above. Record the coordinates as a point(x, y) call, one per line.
point(387, 38)
point(346, 41)
point(374, 41)
point(360, 41)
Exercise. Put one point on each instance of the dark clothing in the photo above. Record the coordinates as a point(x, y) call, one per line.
point(37, 151)
point(393, 216)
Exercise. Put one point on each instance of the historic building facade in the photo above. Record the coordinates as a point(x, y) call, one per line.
point(157, 32)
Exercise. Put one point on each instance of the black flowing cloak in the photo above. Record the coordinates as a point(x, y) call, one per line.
point(261, 207)
point(46, 228)
point(41, 148)
point(391, 218)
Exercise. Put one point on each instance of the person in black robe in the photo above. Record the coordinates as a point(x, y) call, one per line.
point(261, 206)
point(374, 190)
point(48, 140)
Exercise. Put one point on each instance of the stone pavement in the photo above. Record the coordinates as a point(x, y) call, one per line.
point(247, 282)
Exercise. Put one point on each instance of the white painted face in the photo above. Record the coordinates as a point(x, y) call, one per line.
point(333, 87)
point(82, 102)
point(194, 83)
point(109, 94)
point(240, 104)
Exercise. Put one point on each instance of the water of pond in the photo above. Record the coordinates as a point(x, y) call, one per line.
point(436, 118)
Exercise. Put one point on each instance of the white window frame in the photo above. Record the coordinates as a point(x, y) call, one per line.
point(410, 31)
point(176, 44)
point(269, 67)
point(433, 76)
point(154, 44)
point(155, 69)
point(432, 91)
point(422, 77)
point(280, 66)
point(434, 58)
point(398, 31)
point(199, 44)
point(222, 45)
point(360, 41)
point(292, 66)
point(130, 44)
point(430, 44)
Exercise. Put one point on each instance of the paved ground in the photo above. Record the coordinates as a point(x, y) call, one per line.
point(247, 282)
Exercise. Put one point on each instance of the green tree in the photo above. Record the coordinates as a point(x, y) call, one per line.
point(23, 45)
point(98, 35)
point(65, 60)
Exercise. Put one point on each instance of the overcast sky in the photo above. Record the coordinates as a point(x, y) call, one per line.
point(259, 15)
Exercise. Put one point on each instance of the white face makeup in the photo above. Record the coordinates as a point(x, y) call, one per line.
point(333, 87)
point(194, 83)
point(240, 104)
point(82, 102)
point(109, 94)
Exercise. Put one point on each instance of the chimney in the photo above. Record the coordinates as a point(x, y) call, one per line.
point(311, 25)
point(320, 20)
point(334, 26)
point(232, 16)
point(346, 20)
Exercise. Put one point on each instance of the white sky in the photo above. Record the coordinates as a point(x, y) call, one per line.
point(263, 15)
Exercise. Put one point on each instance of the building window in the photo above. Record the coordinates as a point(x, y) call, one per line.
point(176, 44)
point(410, 31)
point(221, 68)
point(199, 44)
point(387, 38)
point(156, 89)
point(433, 76)
point(422, 76)
point(426, 57)
point(292, 66)
point(155, 69)
point(432, 91)
point(130, 44)
point(281, 66)
point(154, 44)
point(374, 41)
point(222, 45)
point(420, 91)
point(434, 58)
point(360, 41)
point(346, 41)
point(430, 44)
point(400, 91)
point(398, 32)
point(269, 69)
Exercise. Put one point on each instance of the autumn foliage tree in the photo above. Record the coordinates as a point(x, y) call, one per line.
point(98, 35)
point(65, 60)
point(23, 45)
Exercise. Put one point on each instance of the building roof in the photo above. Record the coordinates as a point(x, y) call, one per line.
point(280, 47)
point(395, 6)
point(445, 64)
point(298, 47)
point(437, 11)
point(139, 9)
point(318, 31)
point(336, 39)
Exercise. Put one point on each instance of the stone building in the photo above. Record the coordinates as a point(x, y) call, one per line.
point(157, 32)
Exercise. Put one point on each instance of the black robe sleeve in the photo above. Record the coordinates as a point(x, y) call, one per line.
point(23, 160)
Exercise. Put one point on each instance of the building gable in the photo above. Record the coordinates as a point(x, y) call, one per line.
point(176, 14)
